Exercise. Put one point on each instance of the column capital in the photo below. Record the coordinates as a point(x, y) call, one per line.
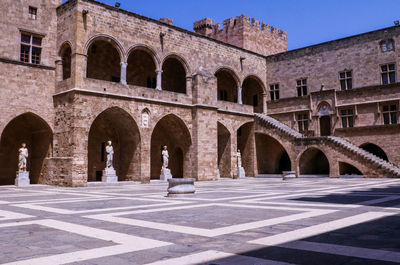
point(124, 64)
point(159, 71)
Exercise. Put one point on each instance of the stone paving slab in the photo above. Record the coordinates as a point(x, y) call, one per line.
point(247, 221)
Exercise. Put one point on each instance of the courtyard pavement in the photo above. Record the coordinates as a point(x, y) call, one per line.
point(250, 221)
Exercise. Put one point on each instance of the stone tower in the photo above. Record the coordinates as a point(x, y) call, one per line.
point(245, 33)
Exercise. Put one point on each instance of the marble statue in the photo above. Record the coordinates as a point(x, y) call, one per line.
point(240, 170)
point(110, 155)
point(109, 173)
point(239, 159)
point(165, 171)
point(165, 156)
point(22, 178)
point(22, 158)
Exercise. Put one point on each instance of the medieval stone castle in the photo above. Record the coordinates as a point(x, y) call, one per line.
point(77, 74)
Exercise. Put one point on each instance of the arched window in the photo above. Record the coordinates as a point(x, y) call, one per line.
point(173, 75)
point(227, 85)
point(66, 60)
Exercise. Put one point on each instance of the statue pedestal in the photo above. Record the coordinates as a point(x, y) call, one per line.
point(241, 173)
point(22, 179)
point(109, 175)
point(165, 174)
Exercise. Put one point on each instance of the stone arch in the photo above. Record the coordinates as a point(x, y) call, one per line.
point(227, 84)
point(142, 64)
point(252, 92)
point(104, 57)
point(272, 157)
point(65, 54)
point(174, 71)
point(224, 151)
point(313, 161)
point(171, 131)
point(246, 144)
point(26, 128)
point(347, 169)
point(118, 126)
point(108, 38)
point(375, 149)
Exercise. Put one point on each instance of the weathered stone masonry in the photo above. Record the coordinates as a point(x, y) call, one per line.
point(109, 74)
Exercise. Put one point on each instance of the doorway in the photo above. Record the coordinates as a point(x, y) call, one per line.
point(325, 125)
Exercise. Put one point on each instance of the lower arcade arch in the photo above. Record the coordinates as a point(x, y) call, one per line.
point(374, 149)
point(272, 157)
point(172, 132)
point(117, 126)
point(224, 151)
point(313, 162)
point(246, 145)
point(347, 169)
point(36, 133)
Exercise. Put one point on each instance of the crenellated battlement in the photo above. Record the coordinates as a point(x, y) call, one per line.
point(245, 32)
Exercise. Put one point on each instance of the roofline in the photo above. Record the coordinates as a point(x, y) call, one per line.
point(331, 41)
point(129, 13)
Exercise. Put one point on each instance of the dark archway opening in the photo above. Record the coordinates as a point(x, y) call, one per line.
point(347, 169)
point(103, 62)
point(224, 151)
point(325, 125)
point(66, 61)
point(173, 76)
point(172, 132)
point(376, 150)
point(118, 126)
point(35, 132)
point(141, 69)
point(226, 86)
point(246, 145)
point(272, 158)
point(314, 162)
point(253, 94)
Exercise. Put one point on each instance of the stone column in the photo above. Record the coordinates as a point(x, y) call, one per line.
point(59, 69)
point(189, 82)
point(239, 90)
point(123, 73)
point(264, 102)
point(159, 79)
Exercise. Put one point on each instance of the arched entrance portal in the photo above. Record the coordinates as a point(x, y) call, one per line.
point(224, 151)
point(172, 132)
point(313, 162)
point(246, 145)
point(325, 119)
point(272, 158)
point(118, 126)
point(376, 150)
point(36, 133)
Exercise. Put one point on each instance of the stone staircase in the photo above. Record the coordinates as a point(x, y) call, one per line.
point(341, 145)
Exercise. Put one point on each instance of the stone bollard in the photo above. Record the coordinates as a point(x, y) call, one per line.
point(179, 187)
point(288, 175)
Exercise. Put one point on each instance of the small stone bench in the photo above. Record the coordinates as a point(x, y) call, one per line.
point(178, 187)
point(288, 175)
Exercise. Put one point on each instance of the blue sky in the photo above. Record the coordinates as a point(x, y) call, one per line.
point(307, 22)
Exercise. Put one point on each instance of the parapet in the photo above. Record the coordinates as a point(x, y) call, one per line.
point(245, 32)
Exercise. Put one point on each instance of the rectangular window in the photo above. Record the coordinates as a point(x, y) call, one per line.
point(388, 73)
point(274, 92)
point(31, 48)
point(347, 118)
point(390, 114)
point(301, 86)
point(346, 82)
point(32, 12)
point(302, 122)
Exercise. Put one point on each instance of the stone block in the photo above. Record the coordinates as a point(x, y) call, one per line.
point(22, 179)
point(178, 187)
point(109, 176)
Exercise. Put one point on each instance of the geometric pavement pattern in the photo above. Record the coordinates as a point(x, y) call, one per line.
point(250, 221)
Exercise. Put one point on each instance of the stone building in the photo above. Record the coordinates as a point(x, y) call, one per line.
point(79, 73)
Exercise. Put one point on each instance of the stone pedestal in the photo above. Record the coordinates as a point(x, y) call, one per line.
point(288, 175)
point(22, 179)
point(165, 174)
point(181, 187)
point(109, 176)
point(218, 174)
point(241, 173)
